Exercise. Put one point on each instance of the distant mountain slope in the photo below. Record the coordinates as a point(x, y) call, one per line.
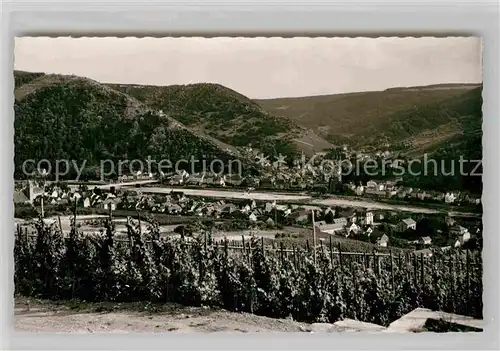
point(21, 77)
point(390, 116)
point(74, 118)
point(227, 116)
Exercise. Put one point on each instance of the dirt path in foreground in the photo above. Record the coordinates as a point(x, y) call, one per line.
point(50, 317)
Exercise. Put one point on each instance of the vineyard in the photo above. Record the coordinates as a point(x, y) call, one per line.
point(310, 285)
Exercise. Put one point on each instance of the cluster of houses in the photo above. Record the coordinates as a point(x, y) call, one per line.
point(361, 224)
point(355, 224)
point(55, 195)
point(390, 189)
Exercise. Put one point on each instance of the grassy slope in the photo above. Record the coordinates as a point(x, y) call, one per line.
point(419, 114)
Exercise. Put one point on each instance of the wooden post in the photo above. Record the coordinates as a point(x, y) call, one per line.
point(130, 244)
point(422, 270)
point(41, 202)
point(392, 275)
point(281, 252)
point(467, 270)
point(262, 246)
point(294, 257)
point(307, 246)
point(415, 268)
point(331, 249)
point(377, 262)
point(314, 237)
point(140, 225)
point(249, 252)
point(60, 225)
point(340, 255)
point(452, 278)
point(374, 263)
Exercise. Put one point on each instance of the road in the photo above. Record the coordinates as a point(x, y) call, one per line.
point(241, 194)
point(125, 184)
point(373, 205)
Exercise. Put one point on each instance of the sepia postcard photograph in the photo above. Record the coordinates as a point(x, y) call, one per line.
point(239, 184)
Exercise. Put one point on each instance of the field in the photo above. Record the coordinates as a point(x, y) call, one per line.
point(276, 282)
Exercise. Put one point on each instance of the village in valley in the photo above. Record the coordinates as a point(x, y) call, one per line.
point(284, 204)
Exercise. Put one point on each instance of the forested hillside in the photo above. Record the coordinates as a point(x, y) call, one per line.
point(79, 119)
point(224, 114)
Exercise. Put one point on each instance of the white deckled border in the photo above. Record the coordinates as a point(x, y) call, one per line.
point(285, 19)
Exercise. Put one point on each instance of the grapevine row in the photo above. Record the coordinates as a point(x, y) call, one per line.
point(308, 287)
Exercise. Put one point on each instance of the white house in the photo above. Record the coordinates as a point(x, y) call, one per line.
point(366, 218)
point(86, 202)
point(353, 228)
point(375, 186)
point(369, 231)
point(406, 224)
point(426, 240)
point(383, 241)
point(246, 209)
point(252, 217)
point(342, 220)
point(461, 233)
point(359, 190)
point(449, 198)
point(109, 204)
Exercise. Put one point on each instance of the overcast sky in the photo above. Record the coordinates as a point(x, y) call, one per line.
point(259, 67)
